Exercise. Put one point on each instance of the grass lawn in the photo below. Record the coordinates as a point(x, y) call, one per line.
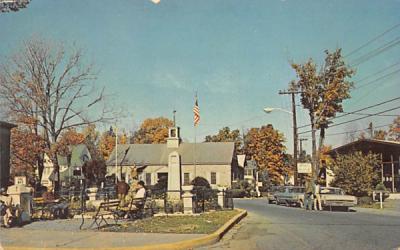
point(201, 224)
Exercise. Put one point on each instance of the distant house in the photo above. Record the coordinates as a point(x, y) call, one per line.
point(241, 166)
point(388, 150)
point(250, 171)
point(178, 161)
point(70, 165)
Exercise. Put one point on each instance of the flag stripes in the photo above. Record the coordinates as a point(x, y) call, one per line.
point(196, 112)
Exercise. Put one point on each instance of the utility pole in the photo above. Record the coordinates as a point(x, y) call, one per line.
point(301, 144)
point(293, 93)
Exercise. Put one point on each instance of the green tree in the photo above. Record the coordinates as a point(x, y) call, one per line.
point(322, 93)
point(152, 131)
point(227, 135)
point(356, 173)
point(265, 146)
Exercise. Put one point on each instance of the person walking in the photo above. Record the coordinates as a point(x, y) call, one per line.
point(317, 196)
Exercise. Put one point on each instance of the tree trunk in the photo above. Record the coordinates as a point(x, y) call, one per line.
point(314, 147)
point(321, 145)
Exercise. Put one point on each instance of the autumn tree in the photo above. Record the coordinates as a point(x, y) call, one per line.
point(52, 85)
point(394, 130)
point(107, 142)
point(27, 148)
point(265, 146)
point(356, 173)
point(227, 135)
point(380, 134)
point(152, 131)
point(322, 93)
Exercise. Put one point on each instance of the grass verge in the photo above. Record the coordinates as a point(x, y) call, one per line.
point(202, 224)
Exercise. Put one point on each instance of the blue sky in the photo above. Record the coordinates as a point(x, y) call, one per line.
point(235, 53)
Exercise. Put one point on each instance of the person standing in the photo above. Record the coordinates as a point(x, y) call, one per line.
point(308, 194)
point(5, 207)
point(122, 191)
point(317, 196)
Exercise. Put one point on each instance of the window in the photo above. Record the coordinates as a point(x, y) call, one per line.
point(213, 178)
point(249, 171)
point(186, 179)
point(148, 179)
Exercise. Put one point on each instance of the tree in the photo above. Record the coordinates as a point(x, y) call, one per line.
point(265, 146)
point(227, 135)
point(94, 171)
point(152, 131)
point(380, 134)
point(107, 143)
point(51, 85)
point(355, 173)
point(322, 93)
point(27, 149)
point(394, 130)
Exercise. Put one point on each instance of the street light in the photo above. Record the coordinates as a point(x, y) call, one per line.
point(269, 110)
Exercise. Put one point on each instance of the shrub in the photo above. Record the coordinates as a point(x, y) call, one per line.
point(238, 193)
point(364, 200)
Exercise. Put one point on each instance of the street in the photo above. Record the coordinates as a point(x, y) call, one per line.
point(269, 226)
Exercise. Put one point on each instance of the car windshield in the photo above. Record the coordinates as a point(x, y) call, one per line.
point(297, 190)
point(332, 191)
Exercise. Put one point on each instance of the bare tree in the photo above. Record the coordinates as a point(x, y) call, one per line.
point(52, 86)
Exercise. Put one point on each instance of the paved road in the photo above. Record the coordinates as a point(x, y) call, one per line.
point(270, 226)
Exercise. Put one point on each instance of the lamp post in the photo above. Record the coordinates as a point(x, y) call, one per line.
point(269, 110)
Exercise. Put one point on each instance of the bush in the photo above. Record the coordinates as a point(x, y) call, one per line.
point(364, 200)
point(238, 193)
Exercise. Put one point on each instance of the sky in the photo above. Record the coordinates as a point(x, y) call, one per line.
point(235, 54)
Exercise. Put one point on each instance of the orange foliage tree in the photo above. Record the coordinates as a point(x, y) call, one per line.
point(107, 142)
point(265, 146)
point(152, 131)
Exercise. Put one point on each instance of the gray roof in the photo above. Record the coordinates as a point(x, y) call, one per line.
point(219, 153)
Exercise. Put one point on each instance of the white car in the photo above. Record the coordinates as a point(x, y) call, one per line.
point(333, 197)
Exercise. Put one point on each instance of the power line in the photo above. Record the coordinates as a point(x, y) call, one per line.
point(378, 79)
point(375, 52)
point(350, 113)
point(356, 113)
point(378, 72)
point(372, 40)
point(360, 118)
point(354, 131)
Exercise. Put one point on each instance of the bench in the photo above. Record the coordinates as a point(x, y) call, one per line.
point(106, 209)
point(53, 208)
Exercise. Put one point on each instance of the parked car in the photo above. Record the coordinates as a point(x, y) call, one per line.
point(271, 194)
point(290, 196)
point(333, 197)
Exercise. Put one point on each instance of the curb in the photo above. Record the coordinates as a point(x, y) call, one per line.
point(186, 244)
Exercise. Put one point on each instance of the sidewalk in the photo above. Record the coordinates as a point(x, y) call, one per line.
point(66, 234)
point(390, 207)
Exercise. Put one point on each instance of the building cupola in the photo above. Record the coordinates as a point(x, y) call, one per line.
point(174, 139)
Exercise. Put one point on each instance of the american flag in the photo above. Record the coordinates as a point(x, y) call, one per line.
point(196, 112)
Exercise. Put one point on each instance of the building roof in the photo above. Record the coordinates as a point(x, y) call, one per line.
point(218, 153)
point(368, 145)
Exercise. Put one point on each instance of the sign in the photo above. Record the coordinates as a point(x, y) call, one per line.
point(304, 168)
point(20, 180)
